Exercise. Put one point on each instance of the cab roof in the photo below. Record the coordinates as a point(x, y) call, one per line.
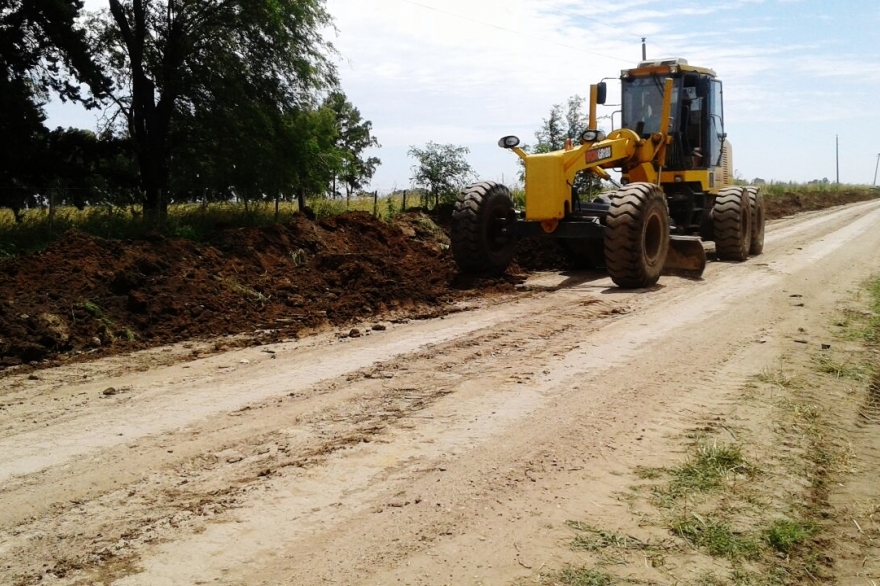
point(664, 67)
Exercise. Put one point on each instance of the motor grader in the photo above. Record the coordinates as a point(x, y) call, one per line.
point(675, 190)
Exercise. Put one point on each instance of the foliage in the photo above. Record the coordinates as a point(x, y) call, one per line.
point(564, 123)
point(41, 46)
point(188, 72)
point(441, 169)
point(784, 535)
point(354, 137)
point(717, 537)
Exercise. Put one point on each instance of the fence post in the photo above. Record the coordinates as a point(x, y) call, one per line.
point(376, 204)
point(403, 208)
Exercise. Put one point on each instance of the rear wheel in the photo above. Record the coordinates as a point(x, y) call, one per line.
point(479, 240)
point(759, 213)
point(731, 219)
point(636, 235)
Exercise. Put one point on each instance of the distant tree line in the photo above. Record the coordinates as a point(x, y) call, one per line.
point(202, 100)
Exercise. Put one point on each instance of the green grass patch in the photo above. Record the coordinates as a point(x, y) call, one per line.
point(784, 535)
point(709, 468)
point(717, 537)
point(93, 309)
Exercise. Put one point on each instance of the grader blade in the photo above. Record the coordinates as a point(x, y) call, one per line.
point(686, 257)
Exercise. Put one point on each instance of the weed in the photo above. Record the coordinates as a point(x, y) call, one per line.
point(783, 535)
point(717, 537)
point(780, 379)
point(710, 466)
point(592, 539)
point(93, 309)
point(828, 365)
point(299, 257)
point(244, 290)
point(647, 473)
point(582, 577)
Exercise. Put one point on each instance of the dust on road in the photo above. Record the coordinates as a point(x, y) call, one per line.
point(449, 450)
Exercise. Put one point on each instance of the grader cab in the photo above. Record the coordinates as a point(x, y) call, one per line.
point(675, 189)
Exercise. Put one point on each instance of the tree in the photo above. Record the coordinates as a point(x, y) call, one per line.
point(564, 123)
point(42, 50)
point(354, 136)
point(184, 67)
point(441, 170)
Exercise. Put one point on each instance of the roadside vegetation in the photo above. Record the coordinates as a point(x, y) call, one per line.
point(753, 502)
point(34, 229)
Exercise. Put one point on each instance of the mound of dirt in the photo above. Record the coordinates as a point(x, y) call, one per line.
point(88, 294)
point(806, 201)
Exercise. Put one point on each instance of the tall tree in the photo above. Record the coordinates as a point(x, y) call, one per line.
point(42, 50)
point(441, 169)
point(355, 136)
point(565, 122)
point(177, 63)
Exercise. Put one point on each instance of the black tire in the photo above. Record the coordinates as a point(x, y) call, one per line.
point(731, 219)
point(478, 239)
point(758, 219)
point(636, 235)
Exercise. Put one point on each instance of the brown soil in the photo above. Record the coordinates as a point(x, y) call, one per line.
point(792, 203)
point(89, 297)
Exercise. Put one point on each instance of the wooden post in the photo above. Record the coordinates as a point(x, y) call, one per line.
point(376, 204)
point(404, 196)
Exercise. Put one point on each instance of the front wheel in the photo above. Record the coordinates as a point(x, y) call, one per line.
point(636, 235)
point(480, 237)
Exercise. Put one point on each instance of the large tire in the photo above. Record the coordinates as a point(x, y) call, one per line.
point(478, 239)
point(731, 219)
point(758, 219)
point(636, 235)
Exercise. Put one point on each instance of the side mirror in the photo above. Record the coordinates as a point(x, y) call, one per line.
point(508, 142)
point(601, 92)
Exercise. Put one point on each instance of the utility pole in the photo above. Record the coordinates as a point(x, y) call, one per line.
point(837, 157)
point(877, 164)
point(644, 50)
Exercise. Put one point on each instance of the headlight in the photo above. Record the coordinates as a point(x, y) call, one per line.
point(508, 142)
point(592, 136)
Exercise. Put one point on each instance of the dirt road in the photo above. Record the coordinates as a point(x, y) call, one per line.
point(446, 451)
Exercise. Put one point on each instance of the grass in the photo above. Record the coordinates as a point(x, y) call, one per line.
point(196, 222)
point(857, 371)
point(717, 537)
point(592, 539)
point(784, 535)
point(578, 577)
point(709, 468)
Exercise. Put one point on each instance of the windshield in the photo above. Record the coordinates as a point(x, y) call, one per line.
point(643, 102)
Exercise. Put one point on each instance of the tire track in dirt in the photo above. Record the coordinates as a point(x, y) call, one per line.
point(444, 404)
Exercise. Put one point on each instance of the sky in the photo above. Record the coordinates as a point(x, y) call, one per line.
point(798, 75)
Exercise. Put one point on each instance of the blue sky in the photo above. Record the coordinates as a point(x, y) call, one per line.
point(796, 73)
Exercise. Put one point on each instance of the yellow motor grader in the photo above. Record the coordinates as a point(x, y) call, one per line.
point(675, 188)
